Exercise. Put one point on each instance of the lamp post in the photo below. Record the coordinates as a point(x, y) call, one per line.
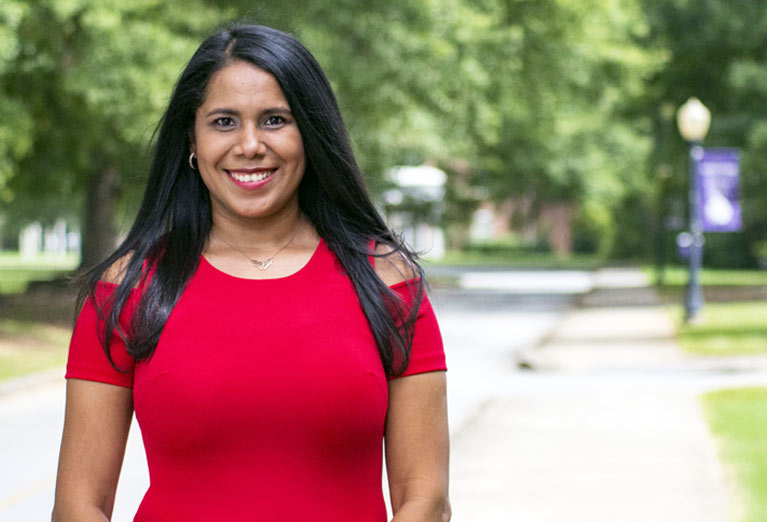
point(694, 119)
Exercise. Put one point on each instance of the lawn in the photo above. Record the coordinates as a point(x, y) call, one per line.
point(35, 324)
point(519, 259)
point(26, 347)
point(16, 272)
point(732, 321)
point(738, 418)
point(734, 328)
point(678, 276)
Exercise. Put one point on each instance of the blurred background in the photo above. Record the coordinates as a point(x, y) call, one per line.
point(529, 148)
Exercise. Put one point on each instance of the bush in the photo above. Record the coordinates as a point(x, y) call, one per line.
point(507, 247)
point(593, 230)
point(728, 250)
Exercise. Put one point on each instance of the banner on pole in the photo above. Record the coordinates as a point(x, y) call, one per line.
point(718, 172)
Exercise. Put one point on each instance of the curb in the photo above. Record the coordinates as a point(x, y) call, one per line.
point(526, 358)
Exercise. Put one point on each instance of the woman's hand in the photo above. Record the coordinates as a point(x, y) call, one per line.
point(96, 425)
point(417, 448)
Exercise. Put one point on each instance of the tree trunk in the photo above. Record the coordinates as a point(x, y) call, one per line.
point(99, 237)
point(557, 219)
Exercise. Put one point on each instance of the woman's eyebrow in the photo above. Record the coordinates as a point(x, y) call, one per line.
point(233, 112)
point(273, 110)
point(223, 112)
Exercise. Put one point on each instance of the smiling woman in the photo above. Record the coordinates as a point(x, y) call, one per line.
point(248, 146)
point(264, 324)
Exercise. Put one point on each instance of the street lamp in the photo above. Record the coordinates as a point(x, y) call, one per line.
point(694, 119)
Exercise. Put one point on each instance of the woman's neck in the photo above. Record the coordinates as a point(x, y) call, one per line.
point(262, 249)
point(258, 235)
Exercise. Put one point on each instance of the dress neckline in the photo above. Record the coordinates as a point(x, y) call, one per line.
point(207, 265)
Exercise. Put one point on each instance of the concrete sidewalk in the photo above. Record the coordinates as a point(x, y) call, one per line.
point(606, 427)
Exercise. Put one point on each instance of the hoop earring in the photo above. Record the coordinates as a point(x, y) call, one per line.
point(191, 161)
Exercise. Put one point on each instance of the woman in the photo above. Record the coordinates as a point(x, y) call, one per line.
point(263, 322)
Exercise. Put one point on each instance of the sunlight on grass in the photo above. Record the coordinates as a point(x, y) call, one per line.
point(539, 260)
point(26, 347)
point(14, 260)
point(16, 272)
point(738, 418)
point(17, 363)
point(738, 328)
point(678, 276)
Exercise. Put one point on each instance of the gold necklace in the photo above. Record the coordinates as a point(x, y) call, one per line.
point(266, 263)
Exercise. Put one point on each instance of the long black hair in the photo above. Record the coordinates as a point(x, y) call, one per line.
point(172, 225)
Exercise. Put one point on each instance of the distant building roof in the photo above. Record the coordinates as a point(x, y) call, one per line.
point(421, 176)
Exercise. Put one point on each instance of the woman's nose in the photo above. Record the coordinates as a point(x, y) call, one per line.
point(250, 143)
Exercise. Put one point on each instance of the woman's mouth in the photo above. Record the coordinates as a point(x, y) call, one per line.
point(250, 175)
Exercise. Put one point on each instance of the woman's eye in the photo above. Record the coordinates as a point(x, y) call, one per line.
point(224, 121)
point(271, 121)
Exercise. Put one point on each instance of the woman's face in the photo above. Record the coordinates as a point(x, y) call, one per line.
point(248, 147)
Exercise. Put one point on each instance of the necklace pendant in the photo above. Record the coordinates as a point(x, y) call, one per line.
point(261, 265)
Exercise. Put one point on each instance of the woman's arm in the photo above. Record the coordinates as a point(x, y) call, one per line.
point(96, 425)
point(416, 433)
point(417, 448)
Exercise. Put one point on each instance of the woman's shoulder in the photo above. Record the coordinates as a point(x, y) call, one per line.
point(392, 266)
point(116, 272)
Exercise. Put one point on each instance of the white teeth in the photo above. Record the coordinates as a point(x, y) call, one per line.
point(248, 178)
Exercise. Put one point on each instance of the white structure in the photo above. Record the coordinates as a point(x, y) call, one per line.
point(31, 240)
point(482, 224)
point(414, 208)
point(55, 239)
point(35, 240)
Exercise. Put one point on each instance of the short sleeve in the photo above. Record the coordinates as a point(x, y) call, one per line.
point(428, 353)
point(87, 359)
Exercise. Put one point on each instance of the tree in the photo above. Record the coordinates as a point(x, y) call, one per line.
point(15, 121)
point(544, 89)
point(515, 98)
point(92, 77)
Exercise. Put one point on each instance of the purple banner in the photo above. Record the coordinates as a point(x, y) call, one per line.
point(718, 173)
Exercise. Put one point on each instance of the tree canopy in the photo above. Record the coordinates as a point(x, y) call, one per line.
point(550, 101)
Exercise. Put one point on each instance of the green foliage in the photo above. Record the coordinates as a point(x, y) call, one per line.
point(509, 247)
point(87, 85)
point(716, 51)
point(595, 229)
point(553, 101)
point(738, 418)
point(728, 250)
point(15, 121)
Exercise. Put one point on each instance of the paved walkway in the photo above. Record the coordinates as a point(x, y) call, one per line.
point(605, 425)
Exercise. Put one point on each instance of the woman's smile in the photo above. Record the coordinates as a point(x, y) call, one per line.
point(251, 178)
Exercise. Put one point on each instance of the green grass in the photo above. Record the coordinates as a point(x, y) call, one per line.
point(26, 347)
point(518, 259)
point(738, 418)
point(677, 276)
point(34, 326)
point(16, 273)
point(736, 328)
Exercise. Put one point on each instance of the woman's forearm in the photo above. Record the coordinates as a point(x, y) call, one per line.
point(83, 514)
point(422, 510)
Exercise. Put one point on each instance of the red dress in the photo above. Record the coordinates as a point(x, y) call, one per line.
point(265, 399)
